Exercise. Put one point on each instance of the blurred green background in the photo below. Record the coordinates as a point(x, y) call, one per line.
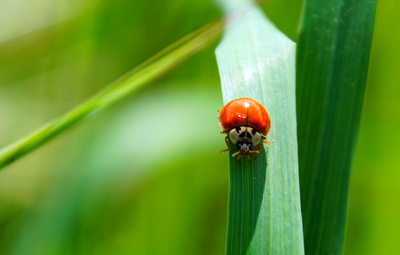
point(146, 176)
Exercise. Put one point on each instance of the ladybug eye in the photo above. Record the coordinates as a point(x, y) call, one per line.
point(250, 147)
point(238, 146)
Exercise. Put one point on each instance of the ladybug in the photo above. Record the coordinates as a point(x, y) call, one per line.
point(245, 123)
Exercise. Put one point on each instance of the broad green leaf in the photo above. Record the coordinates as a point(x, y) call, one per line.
point(332, 63)
point(256, 60)
point(146, 72)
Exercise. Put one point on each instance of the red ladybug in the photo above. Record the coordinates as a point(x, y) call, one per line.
point(245, 123)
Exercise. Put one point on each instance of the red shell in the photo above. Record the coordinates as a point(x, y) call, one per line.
point(244, 111)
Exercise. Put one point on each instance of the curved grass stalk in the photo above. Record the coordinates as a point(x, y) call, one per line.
point(141, 75)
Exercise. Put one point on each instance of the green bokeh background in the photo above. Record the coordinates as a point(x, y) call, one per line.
point(145, 176)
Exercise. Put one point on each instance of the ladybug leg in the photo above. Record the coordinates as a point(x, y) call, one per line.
point(256, 150)
point(252, 153)
point(238, 158)
point(235, 154)
point(249, 158)
point(227, 143)
point(262, 140)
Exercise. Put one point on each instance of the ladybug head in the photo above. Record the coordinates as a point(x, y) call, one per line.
point(244, 148)
point(245, 137)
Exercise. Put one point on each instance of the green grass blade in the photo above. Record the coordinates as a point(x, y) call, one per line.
point(256, 60)
point(149, 70)
point(332, 63)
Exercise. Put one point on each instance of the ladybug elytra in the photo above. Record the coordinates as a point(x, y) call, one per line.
point(245, 123)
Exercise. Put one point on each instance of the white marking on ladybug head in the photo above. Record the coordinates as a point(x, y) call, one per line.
point(256, 138)
point(234, 135)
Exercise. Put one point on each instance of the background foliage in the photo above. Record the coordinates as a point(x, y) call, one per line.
point(145, 177)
